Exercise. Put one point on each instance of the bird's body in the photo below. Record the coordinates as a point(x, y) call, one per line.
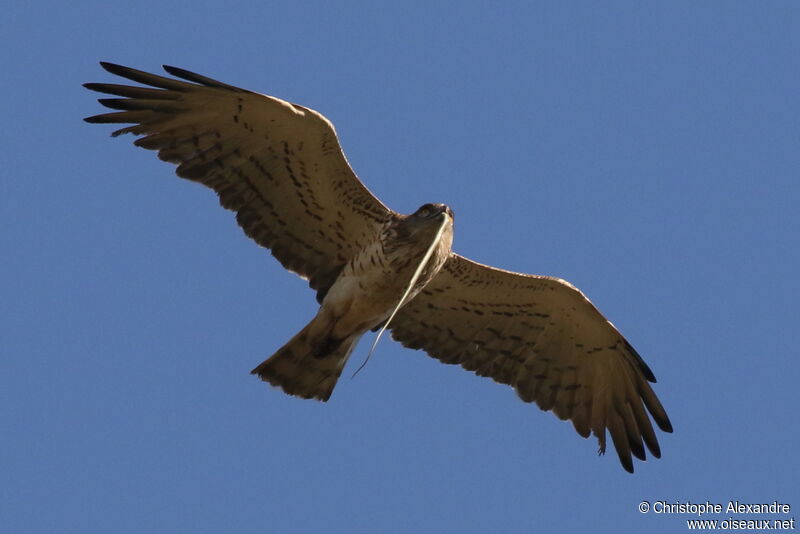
point(362, 297)
point(279, 166)
point(374, 280)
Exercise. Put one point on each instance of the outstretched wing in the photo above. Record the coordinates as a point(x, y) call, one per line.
point(543, 337)
point(277, 164)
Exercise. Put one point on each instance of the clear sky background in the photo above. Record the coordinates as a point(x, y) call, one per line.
point(649, 153)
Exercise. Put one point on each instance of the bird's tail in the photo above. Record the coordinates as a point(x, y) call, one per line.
point(308, 366)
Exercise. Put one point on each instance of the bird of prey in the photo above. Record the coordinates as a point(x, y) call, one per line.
point(279, 166)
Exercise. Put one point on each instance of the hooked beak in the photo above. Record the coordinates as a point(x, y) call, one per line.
point(444, 210)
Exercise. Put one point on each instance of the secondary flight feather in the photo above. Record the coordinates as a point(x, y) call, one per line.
point(280, 167)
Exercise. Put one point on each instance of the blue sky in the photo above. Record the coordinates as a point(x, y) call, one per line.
point(649, 153)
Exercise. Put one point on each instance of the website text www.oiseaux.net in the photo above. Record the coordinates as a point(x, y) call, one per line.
point(732, 509)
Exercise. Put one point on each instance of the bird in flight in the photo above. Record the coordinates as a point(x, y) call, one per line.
point(279, 166)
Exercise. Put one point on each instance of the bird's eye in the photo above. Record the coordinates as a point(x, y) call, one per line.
point(424, 212)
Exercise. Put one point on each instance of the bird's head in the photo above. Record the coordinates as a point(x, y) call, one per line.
point(432, 211)
point(429, 216)
point(426, 220)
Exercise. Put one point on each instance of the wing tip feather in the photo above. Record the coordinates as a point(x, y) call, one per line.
point(199, 78)
point(646, 371)
point(114, 68)
point(665, 424)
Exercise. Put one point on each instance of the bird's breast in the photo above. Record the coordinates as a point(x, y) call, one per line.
point(375, 279)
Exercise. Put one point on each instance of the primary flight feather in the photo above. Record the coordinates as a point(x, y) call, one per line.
point(279, 166)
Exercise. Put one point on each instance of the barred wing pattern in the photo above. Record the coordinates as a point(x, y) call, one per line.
point(277, 164)
point(544, 338)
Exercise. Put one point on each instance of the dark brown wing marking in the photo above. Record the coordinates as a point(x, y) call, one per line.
point(543, 337)
point(277, 164)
